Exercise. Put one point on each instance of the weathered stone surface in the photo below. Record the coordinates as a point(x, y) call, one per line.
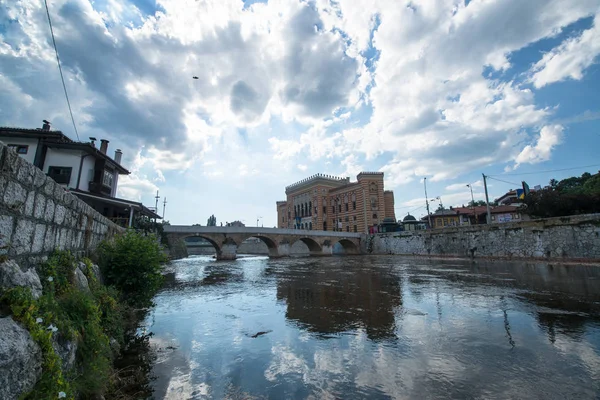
point(25, 174)
point(80, 281)
point(22, 237)
point(14, 196)
point(49, 239)
point(39, 178)
point(59, 214)
point(39, 207)
point(49, 213)
point(38, 238)
point(49, 187)
point(20, 360)
point(11, 276)
point(66, 351)
point(6, 229)
point(29, 202)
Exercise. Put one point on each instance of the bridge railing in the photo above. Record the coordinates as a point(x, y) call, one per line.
point(189, 229)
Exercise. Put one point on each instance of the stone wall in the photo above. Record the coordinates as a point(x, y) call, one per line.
point(565, 238)
point(37, 215)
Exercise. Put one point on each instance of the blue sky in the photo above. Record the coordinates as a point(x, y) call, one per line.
point(443, 89)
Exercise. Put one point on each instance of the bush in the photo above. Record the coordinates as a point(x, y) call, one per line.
point(132, 263)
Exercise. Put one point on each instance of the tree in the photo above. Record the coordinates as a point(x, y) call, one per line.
point(477, 203)
point(570, 196)
point(212, 221)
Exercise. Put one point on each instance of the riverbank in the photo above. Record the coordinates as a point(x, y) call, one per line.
point(574, 239)
point(63, 322)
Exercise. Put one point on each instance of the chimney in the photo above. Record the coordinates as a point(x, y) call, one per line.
point(103, 145)
point(93, 141)
point(46, 126)
point(118, 155)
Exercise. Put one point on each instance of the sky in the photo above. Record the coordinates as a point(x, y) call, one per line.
point(445, 90)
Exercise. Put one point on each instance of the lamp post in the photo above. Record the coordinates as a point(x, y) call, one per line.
point(426, 203)
point(472, 202)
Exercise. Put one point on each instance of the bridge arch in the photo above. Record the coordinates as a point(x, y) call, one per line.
point(272, 245)
point(214, 244)
point(348, 246)
point(313, 246)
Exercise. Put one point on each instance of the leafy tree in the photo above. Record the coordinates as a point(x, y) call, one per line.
point(212, 221)
point(476, 203)
point(132, 263)
point(570, 196)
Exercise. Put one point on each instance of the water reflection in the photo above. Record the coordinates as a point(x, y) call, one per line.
point(375, 327)
point(344, 297)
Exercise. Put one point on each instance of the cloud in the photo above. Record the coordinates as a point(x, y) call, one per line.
point(550, 136)
point(569, 59)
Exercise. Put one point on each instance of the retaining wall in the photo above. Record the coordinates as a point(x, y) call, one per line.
point(574, 238)
point(38, 215)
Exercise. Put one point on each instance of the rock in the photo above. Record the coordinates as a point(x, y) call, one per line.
point(96, 271)
point(115, 346)
point(80, 281)
point(20, 360)
point(66, 350)
point(11, 276)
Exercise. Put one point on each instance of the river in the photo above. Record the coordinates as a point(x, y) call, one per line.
point(375, 327)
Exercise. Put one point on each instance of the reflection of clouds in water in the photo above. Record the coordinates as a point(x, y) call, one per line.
point(283, 362)
point(584, 351)
point(180, 387)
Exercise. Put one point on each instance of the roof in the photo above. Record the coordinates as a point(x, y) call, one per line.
point(87, 147)
point(317, 178)
point(57, 139)
point(478, 210)
point(116, 201)
point(504, 209)
point(409, 218)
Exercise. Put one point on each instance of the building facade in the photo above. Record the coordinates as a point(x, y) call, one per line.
point(328, 203)
point(80, 167)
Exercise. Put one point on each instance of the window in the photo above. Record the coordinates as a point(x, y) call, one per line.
point(107, 179)
point(324, 210)
point(354, 205)
point(310, 226)
point(340, 207)
point(333, 209)
point(283, 220)
point(355, 230)
point(324, 225)
point(346, 207)
point(19, 148)
point(347, 228)
point(374, 216)
point(60, 174)
point(438, 222)
point(354, 218)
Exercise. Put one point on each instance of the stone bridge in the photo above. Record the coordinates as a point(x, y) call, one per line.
point(279, 241)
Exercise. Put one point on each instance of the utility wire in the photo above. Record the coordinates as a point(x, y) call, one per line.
point(60, 69)
point(549, 170)
point(500, 180)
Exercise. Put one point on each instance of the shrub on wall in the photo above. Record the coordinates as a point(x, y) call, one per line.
point(132, 263)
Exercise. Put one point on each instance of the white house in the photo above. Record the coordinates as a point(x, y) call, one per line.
point(82, 168)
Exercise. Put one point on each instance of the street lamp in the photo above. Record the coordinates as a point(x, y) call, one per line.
point(472, 202)
point(440, 200)
point(257, 218)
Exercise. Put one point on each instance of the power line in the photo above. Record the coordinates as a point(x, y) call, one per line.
point(549, 170)
point(500, 180)
point(60, 69)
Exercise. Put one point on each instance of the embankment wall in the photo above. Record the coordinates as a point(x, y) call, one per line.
point(575, 238)
point(38, 215)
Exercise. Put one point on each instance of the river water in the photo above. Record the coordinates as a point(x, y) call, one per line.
point(375, 327)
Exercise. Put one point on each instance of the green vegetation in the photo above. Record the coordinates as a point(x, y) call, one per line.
point(571, 196)
point(132, 263)
point(212, 221)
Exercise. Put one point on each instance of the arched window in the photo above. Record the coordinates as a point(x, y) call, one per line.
point(353, 201)
point(324, 225)
point(346, 202)
point(310, 208)
point(374, 216)
point(310, 226)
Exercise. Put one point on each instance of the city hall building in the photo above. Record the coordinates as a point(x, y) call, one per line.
point(328, 203)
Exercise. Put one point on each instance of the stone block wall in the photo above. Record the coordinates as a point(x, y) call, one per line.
point(38, 215)
point(564, 238)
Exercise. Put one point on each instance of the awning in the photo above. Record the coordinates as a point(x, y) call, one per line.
point(143, 210)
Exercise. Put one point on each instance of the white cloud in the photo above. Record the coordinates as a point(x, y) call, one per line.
point(302, 167)
point(550, 136)
point(569, 59)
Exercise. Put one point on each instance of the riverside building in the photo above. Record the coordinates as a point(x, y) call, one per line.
point(329, 203)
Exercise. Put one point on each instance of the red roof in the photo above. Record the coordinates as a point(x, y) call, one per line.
point(504, 209)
